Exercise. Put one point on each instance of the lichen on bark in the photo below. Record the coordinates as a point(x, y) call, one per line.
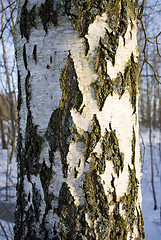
point(92, 137)
point(96, 201)
point(84, 12)
point(103, 85)
point(119, 12)
point(131, 80)
point(111, 151)
point(119, 227)
point(129, 200)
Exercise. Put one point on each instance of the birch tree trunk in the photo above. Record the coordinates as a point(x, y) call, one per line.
point(78, 144)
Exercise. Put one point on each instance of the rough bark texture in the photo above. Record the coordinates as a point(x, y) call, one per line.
point(78, 144)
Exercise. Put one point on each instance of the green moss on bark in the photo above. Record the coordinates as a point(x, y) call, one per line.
point(100, 162)
point(110, 43)
point(60, 133)
point(110, 149)
point(86, 46)
point(104, 86)
point(118, 13)
point(114, 196)
point(73, 224)
point(119, 84)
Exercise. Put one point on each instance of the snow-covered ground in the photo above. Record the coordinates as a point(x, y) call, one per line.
point(152, 220)
point(7, 194)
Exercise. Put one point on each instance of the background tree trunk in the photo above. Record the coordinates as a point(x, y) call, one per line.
point(78, 144)
point(4, 144)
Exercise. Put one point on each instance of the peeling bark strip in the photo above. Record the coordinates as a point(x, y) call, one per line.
point(78, 143)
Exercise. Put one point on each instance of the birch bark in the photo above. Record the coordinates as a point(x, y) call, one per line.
point(78, 145)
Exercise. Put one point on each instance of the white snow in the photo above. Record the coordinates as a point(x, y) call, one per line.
point(152, 218)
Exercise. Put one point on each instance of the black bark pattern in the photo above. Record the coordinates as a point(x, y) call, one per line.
point(27, 20)
point(33, 142)
point(24, 56)
point(131, 80)
point(19, 93)
point(48, 14)
point(95, 198)
point(111, 151)
point(84, 13)
point(35, 53)
point(103, 85)
point(67, 213)
point(61, 129)
point(92, 137)
point(33, 145)
point(28, 164)
point(129, 200)
point(133, 147)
